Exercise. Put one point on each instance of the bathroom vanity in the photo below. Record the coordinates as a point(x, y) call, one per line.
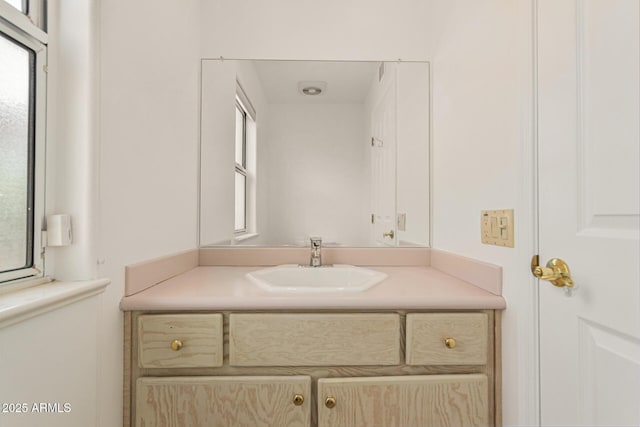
point(209, 347)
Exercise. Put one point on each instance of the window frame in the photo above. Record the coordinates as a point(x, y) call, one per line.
point(247, 169)
point(12, 26)
point(241, 169)
point(31, 23)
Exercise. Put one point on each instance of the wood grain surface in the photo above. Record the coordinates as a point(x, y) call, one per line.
point(223, 402)
point(310, 339)
point(200, 334)
point(434, 400)
point(426, 334)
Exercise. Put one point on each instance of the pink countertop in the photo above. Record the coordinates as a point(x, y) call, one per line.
point(227, 288)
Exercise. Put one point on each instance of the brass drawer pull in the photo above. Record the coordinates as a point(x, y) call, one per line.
point(298, 399)
point(176, 345)
point(330, 402)
point(450, 342)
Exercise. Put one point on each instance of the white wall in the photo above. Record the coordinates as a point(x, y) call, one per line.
point(481, 141)
point(53, 358)
point(305, 29)
point(315, 184)
point(72, 126)
point(149, 149)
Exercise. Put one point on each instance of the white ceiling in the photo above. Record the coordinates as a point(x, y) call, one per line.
point(347, 82)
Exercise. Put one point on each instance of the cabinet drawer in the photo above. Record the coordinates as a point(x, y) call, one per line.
point(424, 400)
point(180, 340)
point(314, 339)
point(224, 401)
point(427, 335)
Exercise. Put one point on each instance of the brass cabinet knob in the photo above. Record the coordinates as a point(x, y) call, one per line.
point(298, 399)
point(176, 345)
point(330, 402)
point(450, 342)
point(390, 234)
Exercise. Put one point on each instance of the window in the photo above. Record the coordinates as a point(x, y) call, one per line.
point(22, 111)
point(241, 170)
point(244, 163)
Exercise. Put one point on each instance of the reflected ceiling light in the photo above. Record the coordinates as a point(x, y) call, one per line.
point(312, 88)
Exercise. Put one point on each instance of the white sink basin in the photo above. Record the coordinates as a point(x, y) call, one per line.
point(293, 278)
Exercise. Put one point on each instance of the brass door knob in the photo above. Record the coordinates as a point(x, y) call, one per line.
point(389, 234)
point(176, 345)
point(556, 271)
point(330, 402)
point(298, 399)
point(450, 342)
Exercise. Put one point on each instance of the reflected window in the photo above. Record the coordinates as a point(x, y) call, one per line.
point(245, 146)
point(241, 169)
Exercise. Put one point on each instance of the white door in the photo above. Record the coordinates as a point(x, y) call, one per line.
point(383, 165)
point(589, 138)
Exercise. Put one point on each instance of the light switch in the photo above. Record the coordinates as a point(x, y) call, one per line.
point(504, 228)
point(496, 228)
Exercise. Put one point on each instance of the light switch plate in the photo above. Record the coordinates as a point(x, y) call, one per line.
point(496, 227)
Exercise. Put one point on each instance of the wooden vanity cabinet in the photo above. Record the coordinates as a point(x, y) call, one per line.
point(320, 369)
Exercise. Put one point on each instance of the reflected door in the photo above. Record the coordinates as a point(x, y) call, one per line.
point(383, 165)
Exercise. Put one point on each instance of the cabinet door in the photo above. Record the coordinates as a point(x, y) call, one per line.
point(223, 401)
point(425, 400)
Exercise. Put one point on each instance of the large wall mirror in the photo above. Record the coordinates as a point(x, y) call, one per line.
point(295, 149)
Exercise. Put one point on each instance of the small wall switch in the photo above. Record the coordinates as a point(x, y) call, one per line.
point(496, 227)
point(504, 228)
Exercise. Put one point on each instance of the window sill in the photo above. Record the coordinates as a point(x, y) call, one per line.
point(244, 237)
point(26, 303)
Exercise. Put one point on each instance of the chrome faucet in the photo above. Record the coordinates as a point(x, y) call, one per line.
point(316, 257)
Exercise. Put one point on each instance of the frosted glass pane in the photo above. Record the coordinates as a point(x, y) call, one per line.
point(14, 154)
point(240, 201)
point(239, 137)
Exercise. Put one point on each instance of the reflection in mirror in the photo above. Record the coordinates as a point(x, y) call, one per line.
point(293, 149)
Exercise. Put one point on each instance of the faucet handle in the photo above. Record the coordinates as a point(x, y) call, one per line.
point(316, 259)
